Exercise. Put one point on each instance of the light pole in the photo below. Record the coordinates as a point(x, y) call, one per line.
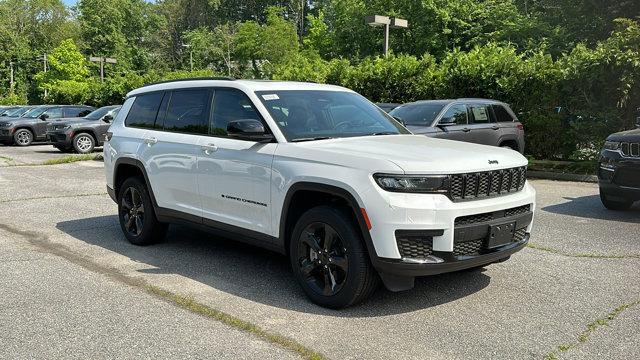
point(190, 55)
point(102, 61)
point(44, 63)
point(387, 22)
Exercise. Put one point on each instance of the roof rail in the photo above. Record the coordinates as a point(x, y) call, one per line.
point(192, 79)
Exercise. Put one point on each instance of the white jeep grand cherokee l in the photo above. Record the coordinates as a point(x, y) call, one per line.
point(316, 172)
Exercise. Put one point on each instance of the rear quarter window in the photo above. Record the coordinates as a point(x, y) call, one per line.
point(144, 111)
point(502, 115)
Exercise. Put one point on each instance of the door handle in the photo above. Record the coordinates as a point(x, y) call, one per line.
point(209, 148)
point(466, 129)
point(150, 141)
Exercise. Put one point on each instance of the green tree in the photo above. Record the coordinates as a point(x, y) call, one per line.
point(67, 78)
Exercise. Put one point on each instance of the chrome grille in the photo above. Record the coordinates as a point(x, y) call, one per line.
point(630, 149)
point(486, 184)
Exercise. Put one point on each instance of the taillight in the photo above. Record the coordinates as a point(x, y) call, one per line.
point(520, 127)
point(108, 136)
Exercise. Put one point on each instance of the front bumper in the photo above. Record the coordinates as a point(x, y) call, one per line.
point(619, 176)
point(6, 134)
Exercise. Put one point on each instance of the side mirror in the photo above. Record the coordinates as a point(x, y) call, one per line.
point(107, 118)
point(399, 119)
point(248, 129)
point(44, 117)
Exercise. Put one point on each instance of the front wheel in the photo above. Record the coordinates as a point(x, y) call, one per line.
point(137, 217)
point(23, 137)
point(84, 143)
point(614, 204)
point(329, 259)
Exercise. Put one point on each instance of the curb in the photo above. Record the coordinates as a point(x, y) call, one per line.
point(548, 175)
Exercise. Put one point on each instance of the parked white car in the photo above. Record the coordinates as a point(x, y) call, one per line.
point(316, 172)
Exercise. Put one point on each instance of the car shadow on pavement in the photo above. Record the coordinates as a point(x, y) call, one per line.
point(590, 207)
point(259, 275)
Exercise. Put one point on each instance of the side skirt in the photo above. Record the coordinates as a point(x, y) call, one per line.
point(221, 229)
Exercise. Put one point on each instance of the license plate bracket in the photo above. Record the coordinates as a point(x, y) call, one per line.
point(501, 234)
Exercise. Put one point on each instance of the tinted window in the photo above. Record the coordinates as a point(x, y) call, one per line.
point(417, 114)
point(54, 113)
point(502, 115)
point(75, 112)
point(456, 114)
point(479, 114)
point(230, 105)
point(144, 110)
point(98, 114)
point(187, 111)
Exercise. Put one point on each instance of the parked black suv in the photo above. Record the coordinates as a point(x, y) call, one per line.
point(619, 170)
point(83, 134)
point(32, 125)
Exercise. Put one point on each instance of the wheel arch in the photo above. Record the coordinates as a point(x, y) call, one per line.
point(126, 167)
point(303, 196)
point(511, 141)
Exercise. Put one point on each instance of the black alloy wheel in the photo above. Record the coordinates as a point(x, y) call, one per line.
point(132, 210)
point(323, 259)
point(136, 214)
point(329, 257)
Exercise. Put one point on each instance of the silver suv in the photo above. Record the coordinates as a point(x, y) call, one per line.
point(479, 121)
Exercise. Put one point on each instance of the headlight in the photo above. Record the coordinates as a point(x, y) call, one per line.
point(611, 145)
point(6, 124)
point(413, 183)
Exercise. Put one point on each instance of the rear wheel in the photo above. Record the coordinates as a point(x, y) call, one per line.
point(23, 137)
point(84, 143)
point(329, 259)
point(137, 217)
point(614, 204)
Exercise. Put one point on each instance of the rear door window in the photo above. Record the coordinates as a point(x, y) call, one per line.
point(502, 115)
point(144, 110)
point(456, 114)
point(188, 111)
point(479, 114)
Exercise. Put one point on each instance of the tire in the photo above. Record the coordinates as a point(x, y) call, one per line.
point(84, 143)
point(23, 137)
point(614, 205)
point(135, 211)
point(343, 275)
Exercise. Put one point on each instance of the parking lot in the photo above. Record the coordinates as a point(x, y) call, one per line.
point(72, 284)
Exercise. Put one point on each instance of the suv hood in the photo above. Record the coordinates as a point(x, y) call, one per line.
point(417, 154)
point(71, 121)
point(626, 136)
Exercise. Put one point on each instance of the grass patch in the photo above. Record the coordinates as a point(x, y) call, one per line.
point(5, 158)
point(581, 255)
point(71, 158)
point(586, 167)
point(591, 328)
point(190, 304)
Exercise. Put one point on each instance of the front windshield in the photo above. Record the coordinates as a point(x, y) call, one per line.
point(15, 112)
point(35, 112)
point(98, 114)
point(316, 114)
point(417, 114)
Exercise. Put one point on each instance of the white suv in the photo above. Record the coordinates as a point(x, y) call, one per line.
point(316, 172)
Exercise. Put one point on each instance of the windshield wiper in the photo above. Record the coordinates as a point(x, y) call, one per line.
point(385, 133)
point(311, 138)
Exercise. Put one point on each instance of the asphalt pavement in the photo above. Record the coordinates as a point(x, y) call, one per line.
point(74, 288)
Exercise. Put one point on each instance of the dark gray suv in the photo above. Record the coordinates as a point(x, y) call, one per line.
point(82, 134)
point(480, 121)
point(32, 125)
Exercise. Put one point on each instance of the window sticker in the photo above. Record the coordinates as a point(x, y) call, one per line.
point(270, 96)
point(480, 113)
